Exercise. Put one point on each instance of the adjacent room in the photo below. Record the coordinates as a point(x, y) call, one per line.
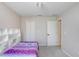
point(39, 29)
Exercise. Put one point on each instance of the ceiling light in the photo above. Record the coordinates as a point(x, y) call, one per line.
point(39, 4)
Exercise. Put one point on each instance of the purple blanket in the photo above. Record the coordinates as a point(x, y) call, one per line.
point(24, 48)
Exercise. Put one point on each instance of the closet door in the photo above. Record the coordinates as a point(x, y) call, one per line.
point(36, 29)
point(30, 30)
point(41, 30)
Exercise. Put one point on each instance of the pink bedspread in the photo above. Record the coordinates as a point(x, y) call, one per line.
point(24, 48)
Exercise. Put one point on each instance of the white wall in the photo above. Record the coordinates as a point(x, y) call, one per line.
point(8, 18)
point(70, 31)
point(40, 29)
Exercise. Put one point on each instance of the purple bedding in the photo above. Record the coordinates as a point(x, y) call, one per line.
point(24, 49)
point(27, 45)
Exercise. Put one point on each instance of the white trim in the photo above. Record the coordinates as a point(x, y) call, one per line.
point(66, 53)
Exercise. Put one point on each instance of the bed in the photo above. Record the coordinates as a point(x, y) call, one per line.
point(23, 49)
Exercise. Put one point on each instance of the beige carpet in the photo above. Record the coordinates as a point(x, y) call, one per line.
point(51, 52)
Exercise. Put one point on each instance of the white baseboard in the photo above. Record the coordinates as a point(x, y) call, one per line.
point(66, 53)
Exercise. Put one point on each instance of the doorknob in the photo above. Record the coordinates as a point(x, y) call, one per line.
point(48, 34)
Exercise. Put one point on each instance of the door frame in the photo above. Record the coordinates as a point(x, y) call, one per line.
point(58, 31)
point(58, 18)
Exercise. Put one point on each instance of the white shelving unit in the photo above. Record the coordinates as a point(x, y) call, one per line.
point(9, 38)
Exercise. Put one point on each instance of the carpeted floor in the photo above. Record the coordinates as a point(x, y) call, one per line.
point(51, 52)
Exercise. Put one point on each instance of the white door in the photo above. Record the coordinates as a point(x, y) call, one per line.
point(41, 30)
point(30, 30)
point(51, 32)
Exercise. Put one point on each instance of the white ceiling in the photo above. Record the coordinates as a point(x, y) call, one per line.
point(31, 8)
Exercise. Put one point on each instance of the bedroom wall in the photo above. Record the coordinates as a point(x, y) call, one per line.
point(70, 31)
point(39, 31)
point(8, 18)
